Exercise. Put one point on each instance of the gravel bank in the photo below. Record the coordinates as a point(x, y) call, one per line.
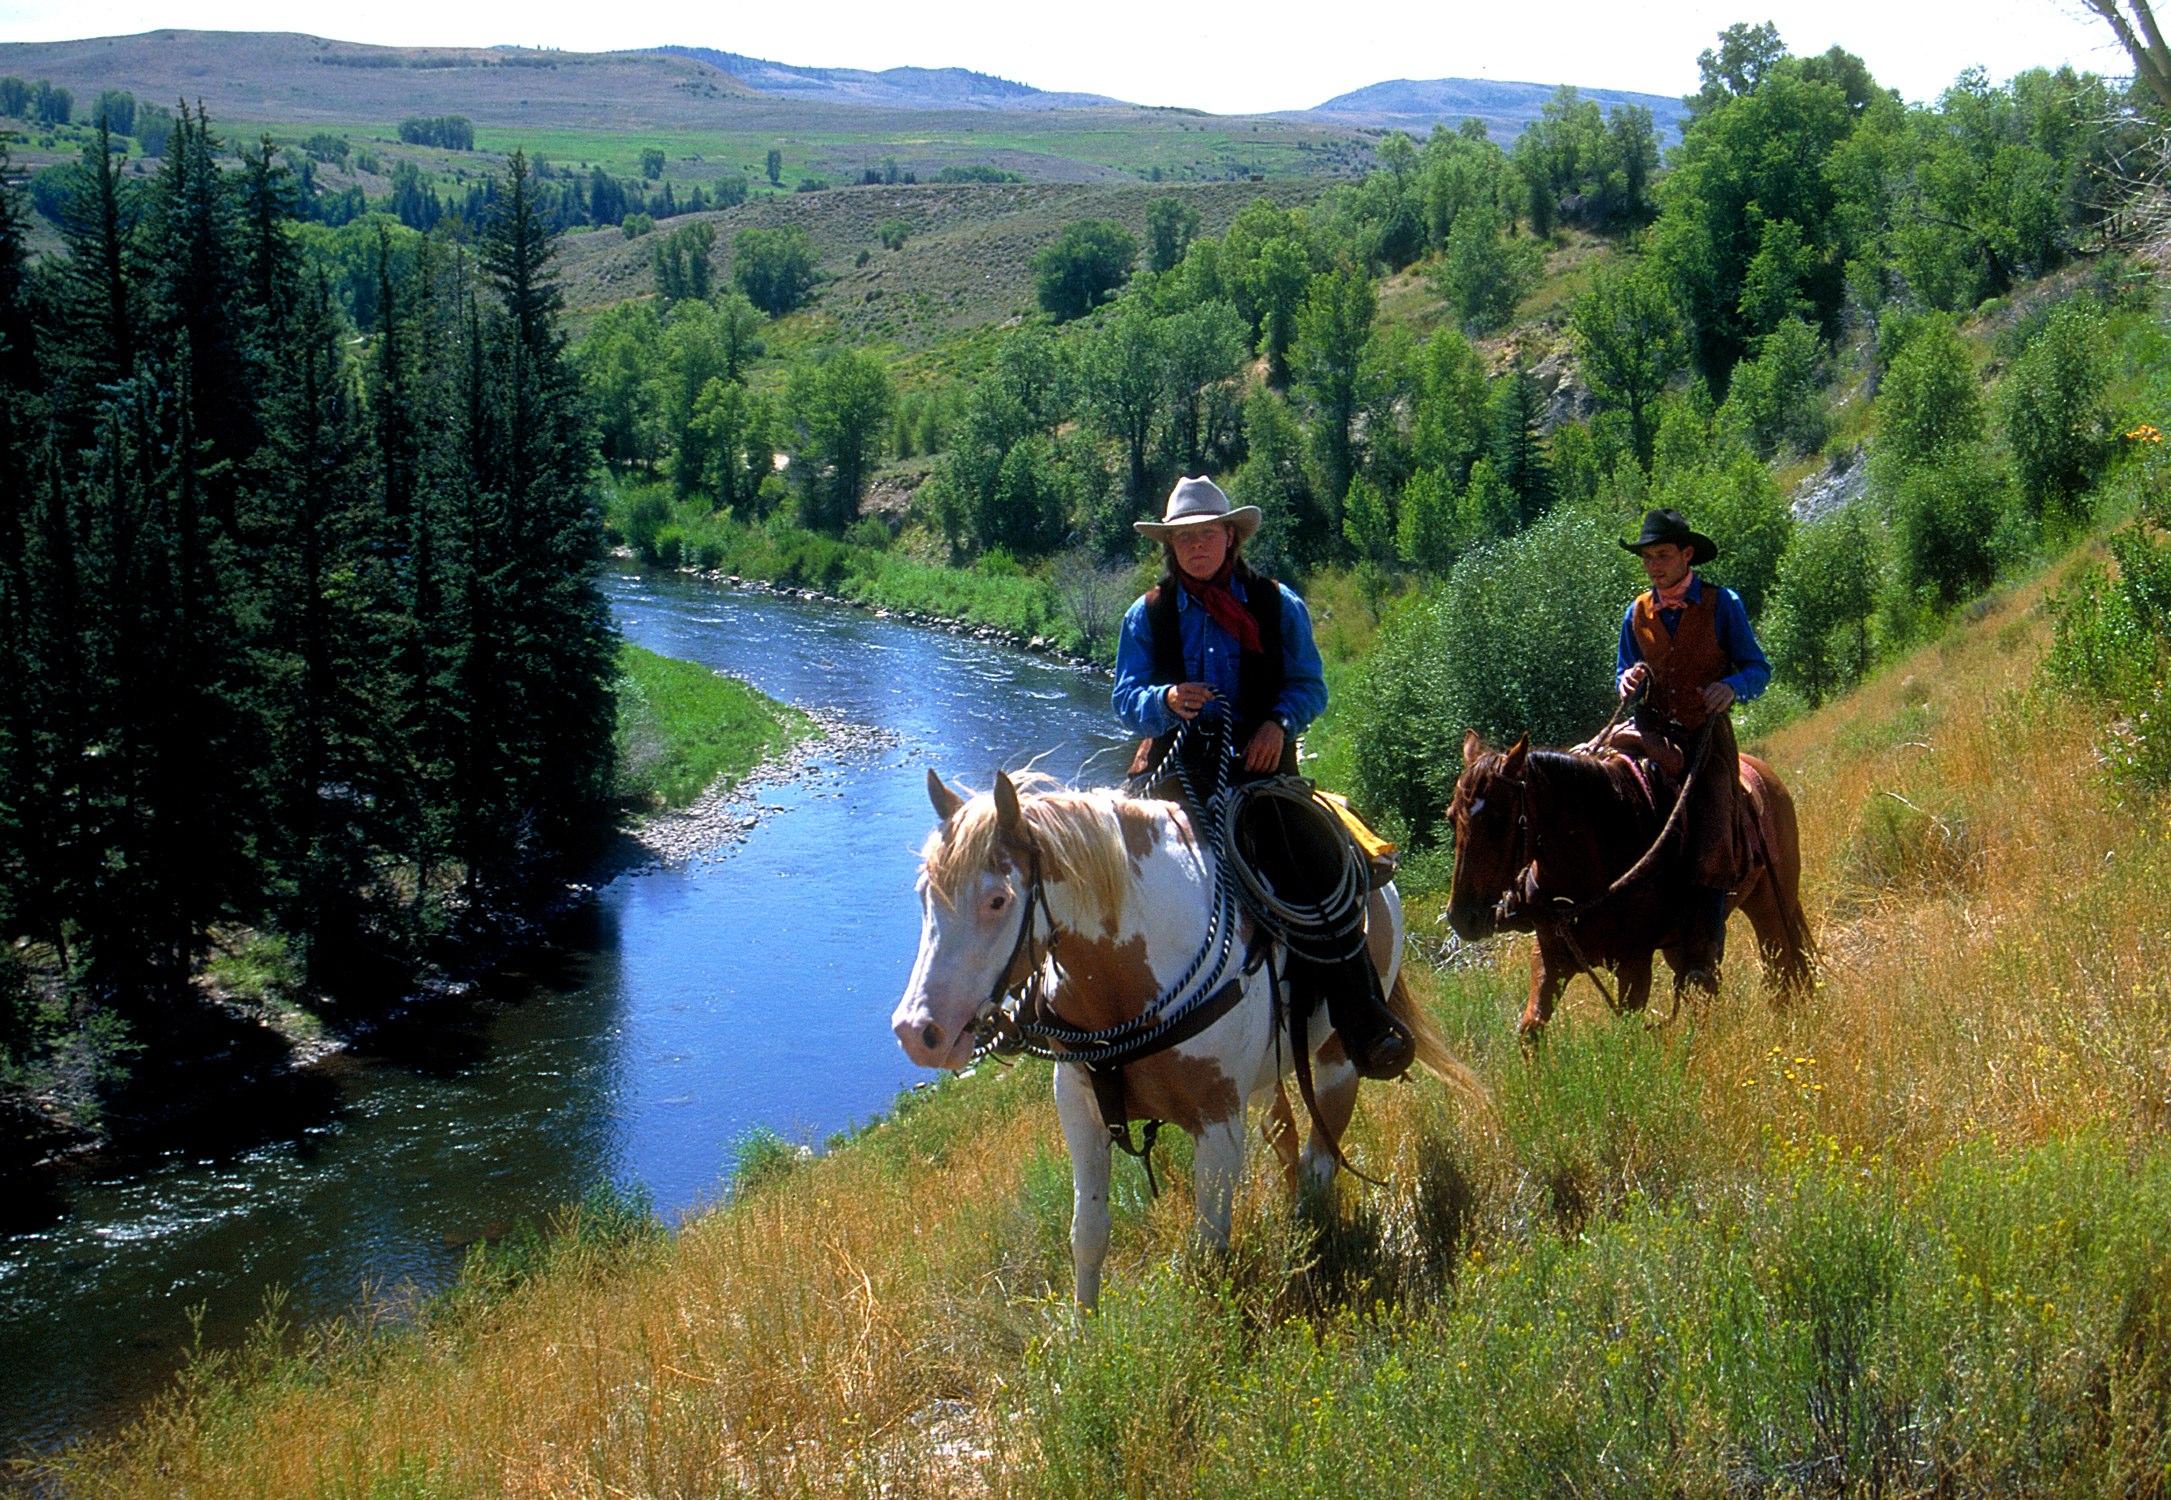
point(720, 818)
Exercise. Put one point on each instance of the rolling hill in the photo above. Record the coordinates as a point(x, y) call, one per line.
point(1418, 105)
point(898, 88)
point(287, 76)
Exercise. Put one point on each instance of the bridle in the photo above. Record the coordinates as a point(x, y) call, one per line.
point(1018, 1015)
point(1561, 923)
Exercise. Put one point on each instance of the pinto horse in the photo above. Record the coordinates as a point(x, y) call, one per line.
point(1542, 835)
point(1108, 904)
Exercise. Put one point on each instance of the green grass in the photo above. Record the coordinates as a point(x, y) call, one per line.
point(1832, 1326)
point(682, 728)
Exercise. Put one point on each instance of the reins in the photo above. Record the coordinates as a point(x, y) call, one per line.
point(1331, 929)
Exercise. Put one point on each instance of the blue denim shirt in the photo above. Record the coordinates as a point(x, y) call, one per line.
point(1736, 639)
point(1210, 656)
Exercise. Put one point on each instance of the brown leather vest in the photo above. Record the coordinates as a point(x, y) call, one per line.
point(1685, 661)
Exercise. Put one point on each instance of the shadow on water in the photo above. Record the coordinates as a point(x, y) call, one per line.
point(664, 1018)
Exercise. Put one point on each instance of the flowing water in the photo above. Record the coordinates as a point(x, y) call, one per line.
point(677, 1011)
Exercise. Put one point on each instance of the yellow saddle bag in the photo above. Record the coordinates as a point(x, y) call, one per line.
point(1379, 854)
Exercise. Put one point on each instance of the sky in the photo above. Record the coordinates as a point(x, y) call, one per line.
point(1224, 56)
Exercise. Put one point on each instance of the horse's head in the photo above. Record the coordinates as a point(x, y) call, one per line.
point(1489, 814)
point(974, 887)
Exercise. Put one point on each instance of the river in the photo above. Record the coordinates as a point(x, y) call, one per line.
point(672, 1014)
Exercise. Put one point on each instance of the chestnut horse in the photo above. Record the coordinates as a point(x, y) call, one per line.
point(1542, 835)
point(1110, 908)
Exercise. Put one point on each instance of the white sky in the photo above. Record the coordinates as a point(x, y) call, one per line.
point(1227, 56)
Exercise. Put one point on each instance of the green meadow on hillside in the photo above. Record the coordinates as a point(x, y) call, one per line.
point(1906, 1237)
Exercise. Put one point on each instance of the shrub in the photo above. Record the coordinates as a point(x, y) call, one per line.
point(2057, 421)
point(1901, 844)
point(1928, 403)
point(1945, 519)
point(2111, 646)
point(1818, 624)
point(1083, 268)
point(774, 267)
point(1520, 638)
point(642, 519)
point(1774, 399)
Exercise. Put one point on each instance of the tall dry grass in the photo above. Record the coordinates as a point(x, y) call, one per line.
point(1896, 1238)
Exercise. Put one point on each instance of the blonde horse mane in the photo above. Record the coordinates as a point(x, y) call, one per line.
point(1078, 832)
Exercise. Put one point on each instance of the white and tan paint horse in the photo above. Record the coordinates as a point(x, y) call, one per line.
point(1129, 900)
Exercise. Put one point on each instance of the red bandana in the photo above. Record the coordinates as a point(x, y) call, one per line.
point(1676, 597)
point(1228, 612)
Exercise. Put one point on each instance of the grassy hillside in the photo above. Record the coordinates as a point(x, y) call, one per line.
point(1905, 1239)
point(606, 107)
point(967, 264)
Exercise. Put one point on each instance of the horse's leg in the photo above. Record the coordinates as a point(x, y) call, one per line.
point(1786, 967)
point(1334, 1089)
point(1548, 977)
point(1217, 1160)
point(1633, 974)
point(1087, 1139)
point(1677, 959)
point(1280, 1130)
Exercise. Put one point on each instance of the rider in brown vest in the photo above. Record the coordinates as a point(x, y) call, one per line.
point(1687, 646)
point(1214, 637)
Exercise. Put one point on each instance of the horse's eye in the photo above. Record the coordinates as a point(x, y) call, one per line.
point(998, 901)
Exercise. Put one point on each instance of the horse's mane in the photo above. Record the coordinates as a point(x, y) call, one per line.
point(1079, 834)
point(1593, 775)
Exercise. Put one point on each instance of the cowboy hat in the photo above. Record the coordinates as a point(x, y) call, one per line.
point(1194, 502)
point(1671, 526)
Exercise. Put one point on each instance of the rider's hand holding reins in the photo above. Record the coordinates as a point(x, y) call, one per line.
point(1718, 698)
point(1264, 751)
point(1633, 679)
point(1185, 699)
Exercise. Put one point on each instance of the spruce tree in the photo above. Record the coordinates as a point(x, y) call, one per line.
point(1518, 443)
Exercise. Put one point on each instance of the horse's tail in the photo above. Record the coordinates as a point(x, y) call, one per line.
point(1784, 870)
point(1431, 1049)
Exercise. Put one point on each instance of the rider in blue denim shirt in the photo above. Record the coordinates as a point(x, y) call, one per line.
point(1211, 597)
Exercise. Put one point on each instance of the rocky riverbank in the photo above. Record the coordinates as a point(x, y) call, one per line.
point(722, 817)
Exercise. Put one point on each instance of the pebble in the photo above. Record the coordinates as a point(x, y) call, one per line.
point(719, 820)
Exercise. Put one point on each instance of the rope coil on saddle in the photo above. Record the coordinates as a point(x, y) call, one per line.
point(1020, 1018)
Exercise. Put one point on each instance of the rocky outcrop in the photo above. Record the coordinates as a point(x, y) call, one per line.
point(1840, 483)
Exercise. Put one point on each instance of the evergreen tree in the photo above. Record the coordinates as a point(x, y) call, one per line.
point(1518, 443)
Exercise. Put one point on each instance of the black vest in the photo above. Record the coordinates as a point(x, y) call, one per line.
point(1258, 673)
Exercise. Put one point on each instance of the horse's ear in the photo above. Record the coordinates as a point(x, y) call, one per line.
point(1513, 765)
point(946, 801)
point(1473, 746)
point(1009, 817)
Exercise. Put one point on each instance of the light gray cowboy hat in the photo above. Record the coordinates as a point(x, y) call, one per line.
point(1194, 502)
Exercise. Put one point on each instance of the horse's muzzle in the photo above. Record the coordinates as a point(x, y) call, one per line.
point(929, 1043)
point(1473, 921)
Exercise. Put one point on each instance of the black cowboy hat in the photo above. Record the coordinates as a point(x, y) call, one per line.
point(1671, 526)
